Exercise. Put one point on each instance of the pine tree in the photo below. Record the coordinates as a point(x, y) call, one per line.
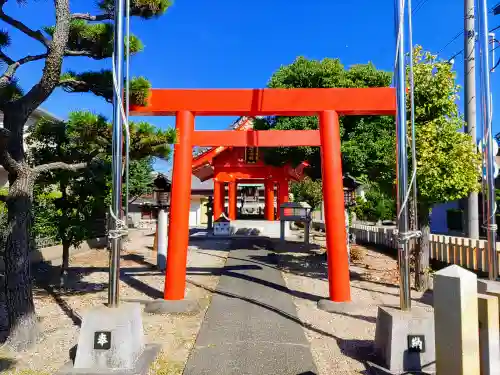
point(74, 34)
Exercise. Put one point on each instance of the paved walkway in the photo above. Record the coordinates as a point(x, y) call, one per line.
point(249, 328)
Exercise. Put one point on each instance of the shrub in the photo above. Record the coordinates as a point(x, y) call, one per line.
point(357, 253)
point(376, 206)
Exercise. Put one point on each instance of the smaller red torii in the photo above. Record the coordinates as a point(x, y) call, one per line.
point(327, 104)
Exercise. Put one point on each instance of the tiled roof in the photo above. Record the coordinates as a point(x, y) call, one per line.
point(196, 184)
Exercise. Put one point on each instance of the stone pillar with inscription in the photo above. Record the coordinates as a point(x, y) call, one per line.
point(456, 321)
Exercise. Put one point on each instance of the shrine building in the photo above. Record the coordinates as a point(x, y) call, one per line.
point(242, 170)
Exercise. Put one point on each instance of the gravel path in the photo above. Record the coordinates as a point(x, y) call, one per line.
point(60, 311)
point(341, 344)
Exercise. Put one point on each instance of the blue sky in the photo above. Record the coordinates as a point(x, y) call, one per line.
point(240, 43)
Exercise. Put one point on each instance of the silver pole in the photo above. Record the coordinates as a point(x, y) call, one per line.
point(114, 269)
point(127, 109)
point(490, 158)
point(472, 207)
point(403, 250)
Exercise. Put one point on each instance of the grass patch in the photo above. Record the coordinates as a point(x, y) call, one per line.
point(164, 366)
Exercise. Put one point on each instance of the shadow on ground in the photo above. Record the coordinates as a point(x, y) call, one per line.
point(6, 363)
point(309, 263)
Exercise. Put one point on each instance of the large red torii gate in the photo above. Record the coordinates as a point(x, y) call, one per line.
point(327, 104)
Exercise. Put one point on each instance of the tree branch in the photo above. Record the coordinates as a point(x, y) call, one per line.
point(6, 58)
point(6, 158)
point(81, 53)
point(53, 63)
point(7, 76)
point(3, 198)
point(90, 17)
point(37, 35)
point(59, 165)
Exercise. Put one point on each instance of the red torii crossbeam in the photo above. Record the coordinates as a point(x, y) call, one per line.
point(327, 104)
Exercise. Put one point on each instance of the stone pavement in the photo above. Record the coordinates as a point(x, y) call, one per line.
point(251, 325)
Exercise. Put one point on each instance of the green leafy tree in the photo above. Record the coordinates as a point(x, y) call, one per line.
point(140, 178)
point(84, 141)
point(309, 191)
point(448, 162)
point(362, 163)
point(73, 35)
point(375, 206)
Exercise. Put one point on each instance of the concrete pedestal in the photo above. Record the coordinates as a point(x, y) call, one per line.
point(396, 338)
point(112, 341)
point(341, 307)
point(183, 306)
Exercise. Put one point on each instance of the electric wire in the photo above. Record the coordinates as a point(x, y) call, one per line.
point(418, 6)
point(458, 35)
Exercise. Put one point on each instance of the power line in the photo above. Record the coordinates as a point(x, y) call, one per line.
point(459, 34)
point(459, 52)
point(419, 6)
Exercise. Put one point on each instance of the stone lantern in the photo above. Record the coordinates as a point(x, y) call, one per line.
point(161, 191)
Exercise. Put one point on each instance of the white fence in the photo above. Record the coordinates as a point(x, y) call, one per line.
point(465, 252)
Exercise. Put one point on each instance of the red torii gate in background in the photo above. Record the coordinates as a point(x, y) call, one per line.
point(327, 104)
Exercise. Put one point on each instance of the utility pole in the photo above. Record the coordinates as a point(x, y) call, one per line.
point(472, 208)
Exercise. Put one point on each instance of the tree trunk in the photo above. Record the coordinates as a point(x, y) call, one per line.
point(65, 263)
point(18, 283)
point(63, 185)
point(422, 253)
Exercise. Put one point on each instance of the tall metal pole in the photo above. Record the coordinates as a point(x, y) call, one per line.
point(490, 158)
point(127, 109)
point(114, 269)
point(472, 207)
point(412, 114)
point(401, 131)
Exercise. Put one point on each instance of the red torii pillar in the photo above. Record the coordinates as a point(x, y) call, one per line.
point(233, 197)
point(178, 231)
point(218, 198)
point(280, 102)
point(333, 197)
point(269, 200)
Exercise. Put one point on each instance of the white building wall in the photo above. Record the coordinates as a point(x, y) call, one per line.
point(31, 120)
point(195, 212)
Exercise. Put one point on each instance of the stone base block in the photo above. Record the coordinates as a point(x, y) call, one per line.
point(141, 366)
point(394, 345)
point(340, 307)
point(183, 306)
point(111, 339)
point(488, 286)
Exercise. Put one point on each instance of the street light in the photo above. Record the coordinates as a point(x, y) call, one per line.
point(162, 188)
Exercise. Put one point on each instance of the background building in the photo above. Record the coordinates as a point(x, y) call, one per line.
point(35, 116)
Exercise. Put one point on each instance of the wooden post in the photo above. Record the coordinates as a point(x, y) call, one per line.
point(155, 243)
